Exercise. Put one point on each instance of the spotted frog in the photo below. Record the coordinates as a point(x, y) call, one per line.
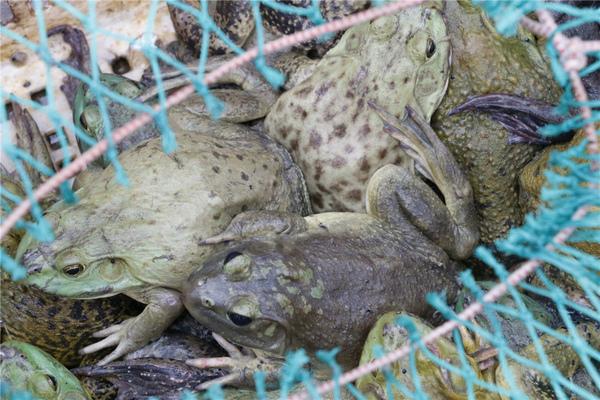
point(289, 282)
point(143, 240)
point(325, 122)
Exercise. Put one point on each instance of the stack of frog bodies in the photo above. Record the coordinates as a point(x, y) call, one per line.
point(222, 226)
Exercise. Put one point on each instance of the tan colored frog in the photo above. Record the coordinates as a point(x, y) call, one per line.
point(325, 122)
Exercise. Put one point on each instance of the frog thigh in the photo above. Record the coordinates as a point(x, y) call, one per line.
point(450, 223)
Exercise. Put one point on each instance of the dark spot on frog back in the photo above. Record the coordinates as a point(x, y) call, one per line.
point(364, 164)
point(244, 176)
point(216, 169)
point(339, 131)
point(239, 157)
point(338, 162)
point(315, 139)
point(354, 194)
point(294, 144)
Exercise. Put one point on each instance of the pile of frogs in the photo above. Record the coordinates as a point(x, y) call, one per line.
point(310, 217)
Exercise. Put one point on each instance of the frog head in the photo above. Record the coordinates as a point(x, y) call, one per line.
point(245, 294)
point(26, 367)
point(404, 58)
point(81, 262)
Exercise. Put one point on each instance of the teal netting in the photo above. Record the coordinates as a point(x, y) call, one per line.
point(572, 183)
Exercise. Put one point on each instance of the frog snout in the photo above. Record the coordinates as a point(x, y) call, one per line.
point(196, 296)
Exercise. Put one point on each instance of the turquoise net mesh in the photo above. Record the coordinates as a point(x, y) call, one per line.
point(572, 186)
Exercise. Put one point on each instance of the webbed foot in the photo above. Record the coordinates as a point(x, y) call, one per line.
point(122, 335)
point(520, 116)
point(242, 365)
point(163, 307)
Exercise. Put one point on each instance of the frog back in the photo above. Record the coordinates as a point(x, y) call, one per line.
point(174, 201)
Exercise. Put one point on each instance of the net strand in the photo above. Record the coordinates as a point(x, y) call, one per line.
point(563, 44)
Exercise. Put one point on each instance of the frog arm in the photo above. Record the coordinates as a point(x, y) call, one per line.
point(395, 190)
point(163, 307)
point(259, 223)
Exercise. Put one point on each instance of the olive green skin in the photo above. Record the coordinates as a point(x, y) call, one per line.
point(325, 121)
point(26, 367)
point(318, 282)
point(142, 240)
point(485, 62)
point(441, 384)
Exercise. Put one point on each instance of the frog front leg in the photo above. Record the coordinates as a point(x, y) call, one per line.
point(451, 223)
point(163, 307)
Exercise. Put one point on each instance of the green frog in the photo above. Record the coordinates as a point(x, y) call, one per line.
point(26, 367)
point(440, 383)
point(289, 282)
point(531, 182)
point(143, 240)
point(57, 325)
point(325, 122)
point(483, 62)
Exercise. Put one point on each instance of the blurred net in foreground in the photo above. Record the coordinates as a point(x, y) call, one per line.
point(569, 215)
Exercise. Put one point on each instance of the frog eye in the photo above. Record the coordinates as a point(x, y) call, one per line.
point(430, 48)
point(43, 385)
point(73, 269)
point(231, 256)
point(239, 319)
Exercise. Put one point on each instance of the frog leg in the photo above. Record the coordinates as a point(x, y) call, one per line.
point(258, 223)
point(163, 307)
point(453, 225)
point(29, 138)
point(520, 116)
point(242, 366)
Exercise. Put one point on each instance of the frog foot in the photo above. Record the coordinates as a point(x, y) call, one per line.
point(126, 336)
point(520, 116)
point(242, 366)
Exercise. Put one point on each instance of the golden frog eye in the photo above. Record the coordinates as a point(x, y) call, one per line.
point(73, 269)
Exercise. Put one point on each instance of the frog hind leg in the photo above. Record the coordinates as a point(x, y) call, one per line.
point(163, 307)
point(453, 225)
point(522, 117)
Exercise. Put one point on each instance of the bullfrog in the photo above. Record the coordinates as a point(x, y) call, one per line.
point(57, 325)
point(287, 282)
point(440, 383)
point(26, 367)
point(531, 182)
point(483, 62)
point(142, 240)
point(325, 122)
point(235, 19)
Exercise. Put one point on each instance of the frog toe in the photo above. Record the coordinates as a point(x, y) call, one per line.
point(522, 117)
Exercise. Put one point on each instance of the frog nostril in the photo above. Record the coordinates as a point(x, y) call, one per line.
point(34, 269)
point(207, 302)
